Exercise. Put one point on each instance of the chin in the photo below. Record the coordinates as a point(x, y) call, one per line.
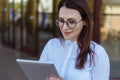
point(66, 38)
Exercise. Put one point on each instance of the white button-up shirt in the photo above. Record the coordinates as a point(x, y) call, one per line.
point(63, 56)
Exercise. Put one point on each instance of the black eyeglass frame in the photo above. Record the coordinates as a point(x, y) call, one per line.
point(67, 23)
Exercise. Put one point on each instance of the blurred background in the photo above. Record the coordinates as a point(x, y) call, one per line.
point(26, 26)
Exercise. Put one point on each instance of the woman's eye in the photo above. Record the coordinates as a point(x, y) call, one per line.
point(71, 22)
point(62, 21)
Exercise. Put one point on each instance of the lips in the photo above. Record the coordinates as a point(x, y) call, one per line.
point(67, 33)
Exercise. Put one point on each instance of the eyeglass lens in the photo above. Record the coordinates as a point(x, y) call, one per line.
point(70, 23)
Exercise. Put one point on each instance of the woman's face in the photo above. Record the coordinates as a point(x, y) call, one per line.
point(73, 18)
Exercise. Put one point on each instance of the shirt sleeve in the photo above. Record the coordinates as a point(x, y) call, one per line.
point(101, 68)
point(44, 54)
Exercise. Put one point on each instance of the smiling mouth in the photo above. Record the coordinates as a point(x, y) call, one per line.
point(66, 33)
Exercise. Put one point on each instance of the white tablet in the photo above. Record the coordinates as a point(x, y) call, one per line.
point(34, 70)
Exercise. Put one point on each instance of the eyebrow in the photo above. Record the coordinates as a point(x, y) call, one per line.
point(68, 18)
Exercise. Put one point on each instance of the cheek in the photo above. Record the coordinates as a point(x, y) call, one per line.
point(78, 30)
point(61, 30)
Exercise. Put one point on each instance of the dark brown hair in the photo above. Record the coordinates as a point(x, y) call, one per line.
point(86, 34)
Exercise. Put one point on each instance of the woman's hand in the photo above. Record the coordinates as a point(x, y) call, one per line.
point(53, 77)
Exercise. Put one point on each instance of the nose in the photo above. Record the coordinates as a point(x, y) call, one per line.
point(65, 26)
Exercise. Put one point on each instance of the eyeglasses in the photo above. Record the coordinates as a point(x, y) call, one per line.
point(70, 23)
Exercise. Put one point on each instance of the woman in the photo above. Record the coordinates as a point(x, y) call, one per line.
point(74, 54)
